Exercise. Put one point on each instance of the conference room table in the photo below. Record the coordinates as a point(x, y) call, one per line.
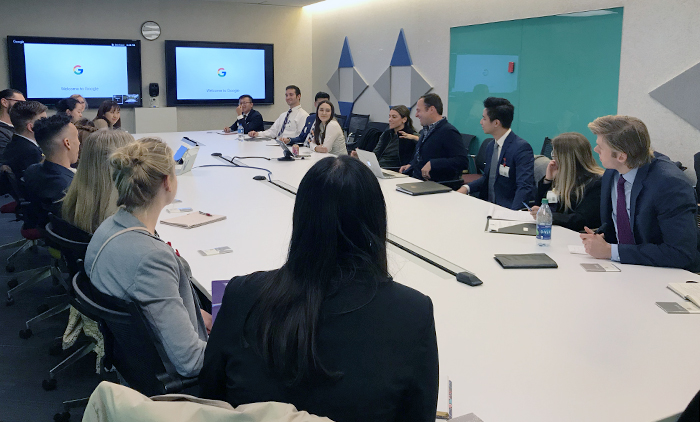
point(528, 345)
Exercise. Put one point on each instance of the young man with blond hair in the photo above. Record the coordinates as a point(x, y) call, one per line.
point(648, 208)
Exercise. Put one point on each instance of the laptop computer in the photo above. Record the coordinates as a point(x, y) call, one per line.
point(370, 160)
point(422, 188)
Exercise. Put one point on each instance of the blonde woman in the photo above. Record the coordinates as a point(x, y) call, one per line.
point(574, 177)
point(127, 260)
point(91, 198)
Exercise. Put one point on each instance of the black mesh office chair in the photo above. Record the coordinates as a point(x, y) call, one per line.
point(267, 125)
point(357, 125)
point(380, 126)
point(477, 163)
point(342, 120)
point(547, 148)
point(130, 343)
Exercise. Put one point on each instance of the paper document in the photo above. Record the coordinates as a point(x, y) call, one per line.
point(500, 213)
point(577, 249)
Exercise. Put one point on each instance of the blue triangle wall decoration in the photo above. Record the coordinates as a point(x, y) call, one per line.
point(345, 107)
point(346, 56)
point(401, 55)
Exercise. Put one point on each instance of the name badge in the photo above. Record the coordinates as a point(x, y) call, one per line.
point(504, 171)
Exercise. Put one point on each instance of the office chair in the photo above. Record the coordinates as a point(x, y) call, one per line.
point(380, 126)
point(547, 148)
point(357, 124)
point(342, 120)
point(477, 163)
point(368, 141)
point(541, 163)
point(267, 125)
point(696, 165)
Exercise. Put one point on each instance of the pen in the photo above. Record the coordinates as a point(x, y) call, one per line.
point(526, 206)
point(205, 213)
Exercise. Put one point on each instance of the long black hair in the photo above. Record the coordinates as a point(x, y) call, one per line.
point(338, 238)
point(318, 137)
point(405, 112)
point(105, 107)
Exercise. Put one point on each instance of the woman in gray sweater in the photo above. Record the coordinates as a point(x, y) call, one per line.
point(126, 259)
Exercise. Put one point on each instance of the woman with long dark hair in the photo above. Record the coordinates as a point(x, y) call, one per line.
point(108, 115)
point(330, 331)
point(394, 149)
point(71, 107)
point(328, 136)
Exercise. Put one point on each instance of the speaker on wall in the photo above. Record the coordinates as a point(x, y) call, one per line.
point(153, 89)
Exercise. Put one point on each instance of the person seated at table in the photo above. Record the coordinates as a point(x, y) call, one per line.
point(108, 115)
point(327, 135)
point(289, 123)
point(391, 152)
point(70, 107)
point(329, 332)
point(574, 178)
point(90, 199)
point(46, 183)
point(23, 150)
point(8, 97)
point(126, 259)
point(81, 100)
point(309, 124)
point(247, 118)
point(647, 205)
point(440, 154)
point(509, 179)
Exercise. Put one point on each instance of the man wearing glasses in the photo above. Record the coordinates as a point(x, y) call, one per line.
point(247, 117)
point(8, 97)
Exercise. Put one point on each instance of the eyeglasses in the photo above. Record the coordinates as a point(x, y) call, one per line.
point(244, 102)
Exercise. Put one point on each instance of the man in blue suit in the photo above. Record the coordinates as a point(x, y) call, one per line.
point(320, 96)
point(647, 206)
point(509, 179)
point(248, 118)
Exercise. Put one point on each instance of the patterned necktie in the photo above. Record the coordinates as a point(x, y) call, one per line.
point(493, 172)
point(624, 230)
point(284, 125)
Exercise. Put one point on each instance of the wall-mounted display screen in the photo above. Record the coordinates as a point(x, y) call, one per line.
point(217, 73)
point(49, 69)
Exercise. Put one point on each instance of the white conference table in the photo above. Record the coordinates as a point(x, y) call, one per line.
point(527, 345)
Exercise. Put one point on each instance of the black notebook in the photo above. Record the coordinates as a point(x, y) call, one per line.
point(530, 260)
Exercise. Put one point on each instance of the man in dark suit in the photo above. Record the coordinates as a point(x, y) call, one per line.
point(320, 96)
point(46, 183)
point(8, 97)
point(647, 206)
point(440, 154)
point(23, 150)
point(247, 117)
point(509, 177)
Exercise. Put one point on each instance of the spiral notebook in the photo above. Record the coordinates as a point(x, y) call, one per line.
point(193, 220)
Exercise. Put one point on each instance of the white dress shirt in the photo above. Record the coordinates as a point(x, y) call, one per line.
point(334, 139)
point(295, 123)
point(497, 147)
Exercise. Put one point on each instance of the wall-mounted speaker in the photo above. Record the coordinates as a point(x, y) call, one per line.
point(153, 89)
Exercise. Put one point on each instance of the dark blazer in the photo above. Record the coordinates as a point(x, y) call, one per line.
point(304, 131)
point(391, 150)
point(445, 151)
point(6, 132)
point(519, 186)
point(585, 212)
point(662, 216)
point(45, 185)
point(381, 338)
point(253, 121)
point(20, 154)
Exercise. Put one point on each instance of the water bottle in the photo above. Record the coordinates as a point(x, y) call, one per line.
point(544, 224)
point(240, 132)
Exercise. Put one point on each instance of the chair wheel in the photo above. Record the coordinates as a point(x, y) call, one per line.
point(25, 334)
point(12, 283)
point(10, 301)
point(42, 308)
point(10, 268)
point(56, 349)
point(49, 385)
point(62, 417)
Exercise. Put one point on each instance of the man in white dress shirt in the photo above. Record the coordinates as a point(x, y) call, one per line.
point(291, 122)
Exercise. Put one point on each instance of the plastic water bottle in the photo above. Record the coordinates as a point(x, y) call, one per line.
point(544, 224)
point(240, 132)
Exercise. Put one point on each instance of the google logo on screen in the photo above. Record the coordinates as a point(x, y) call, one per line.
point(78, 70)
point(221, 72)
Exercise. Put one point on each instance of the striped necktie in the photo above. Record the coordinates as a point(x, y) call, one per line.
point(284, 125)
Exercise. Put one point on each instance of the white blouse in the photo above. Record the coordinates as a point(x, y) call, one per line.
point(334, 139)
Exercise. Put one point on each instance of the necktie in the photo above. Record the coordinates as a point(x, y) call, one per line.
point(624, 230)
point(493, 171)
point(284, 125)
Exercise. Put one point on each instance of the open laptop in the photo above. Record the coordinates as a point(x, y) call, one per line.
point(370, 160)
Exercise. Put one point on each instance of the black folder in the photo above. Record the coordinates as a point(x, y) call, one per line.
point(530, 260)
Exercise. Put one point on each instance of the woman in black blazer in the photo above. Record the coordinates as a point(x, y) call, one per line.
point(330, 331)
point(574, 177)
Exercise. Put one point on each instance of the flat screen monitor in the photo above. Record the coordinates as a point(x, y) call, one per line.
point(217, 73)
point(49, 69)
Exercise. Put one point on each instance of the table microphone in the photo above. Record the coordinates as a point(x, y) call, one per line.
point(218, 154)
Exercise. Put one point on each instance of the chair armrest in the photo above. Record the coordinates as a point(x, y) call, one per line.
point(174, 383)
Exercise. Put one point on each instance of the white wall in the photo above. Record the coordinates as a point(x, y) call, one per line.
point(288, 28)
point(659, 41)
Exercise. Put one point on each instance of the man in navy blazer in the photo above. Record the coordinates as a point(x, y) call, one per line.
point(247, 117)
point(440, 154)
point(23, 150)
point(509, 176)
point(648, 207)
point(306, 130)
